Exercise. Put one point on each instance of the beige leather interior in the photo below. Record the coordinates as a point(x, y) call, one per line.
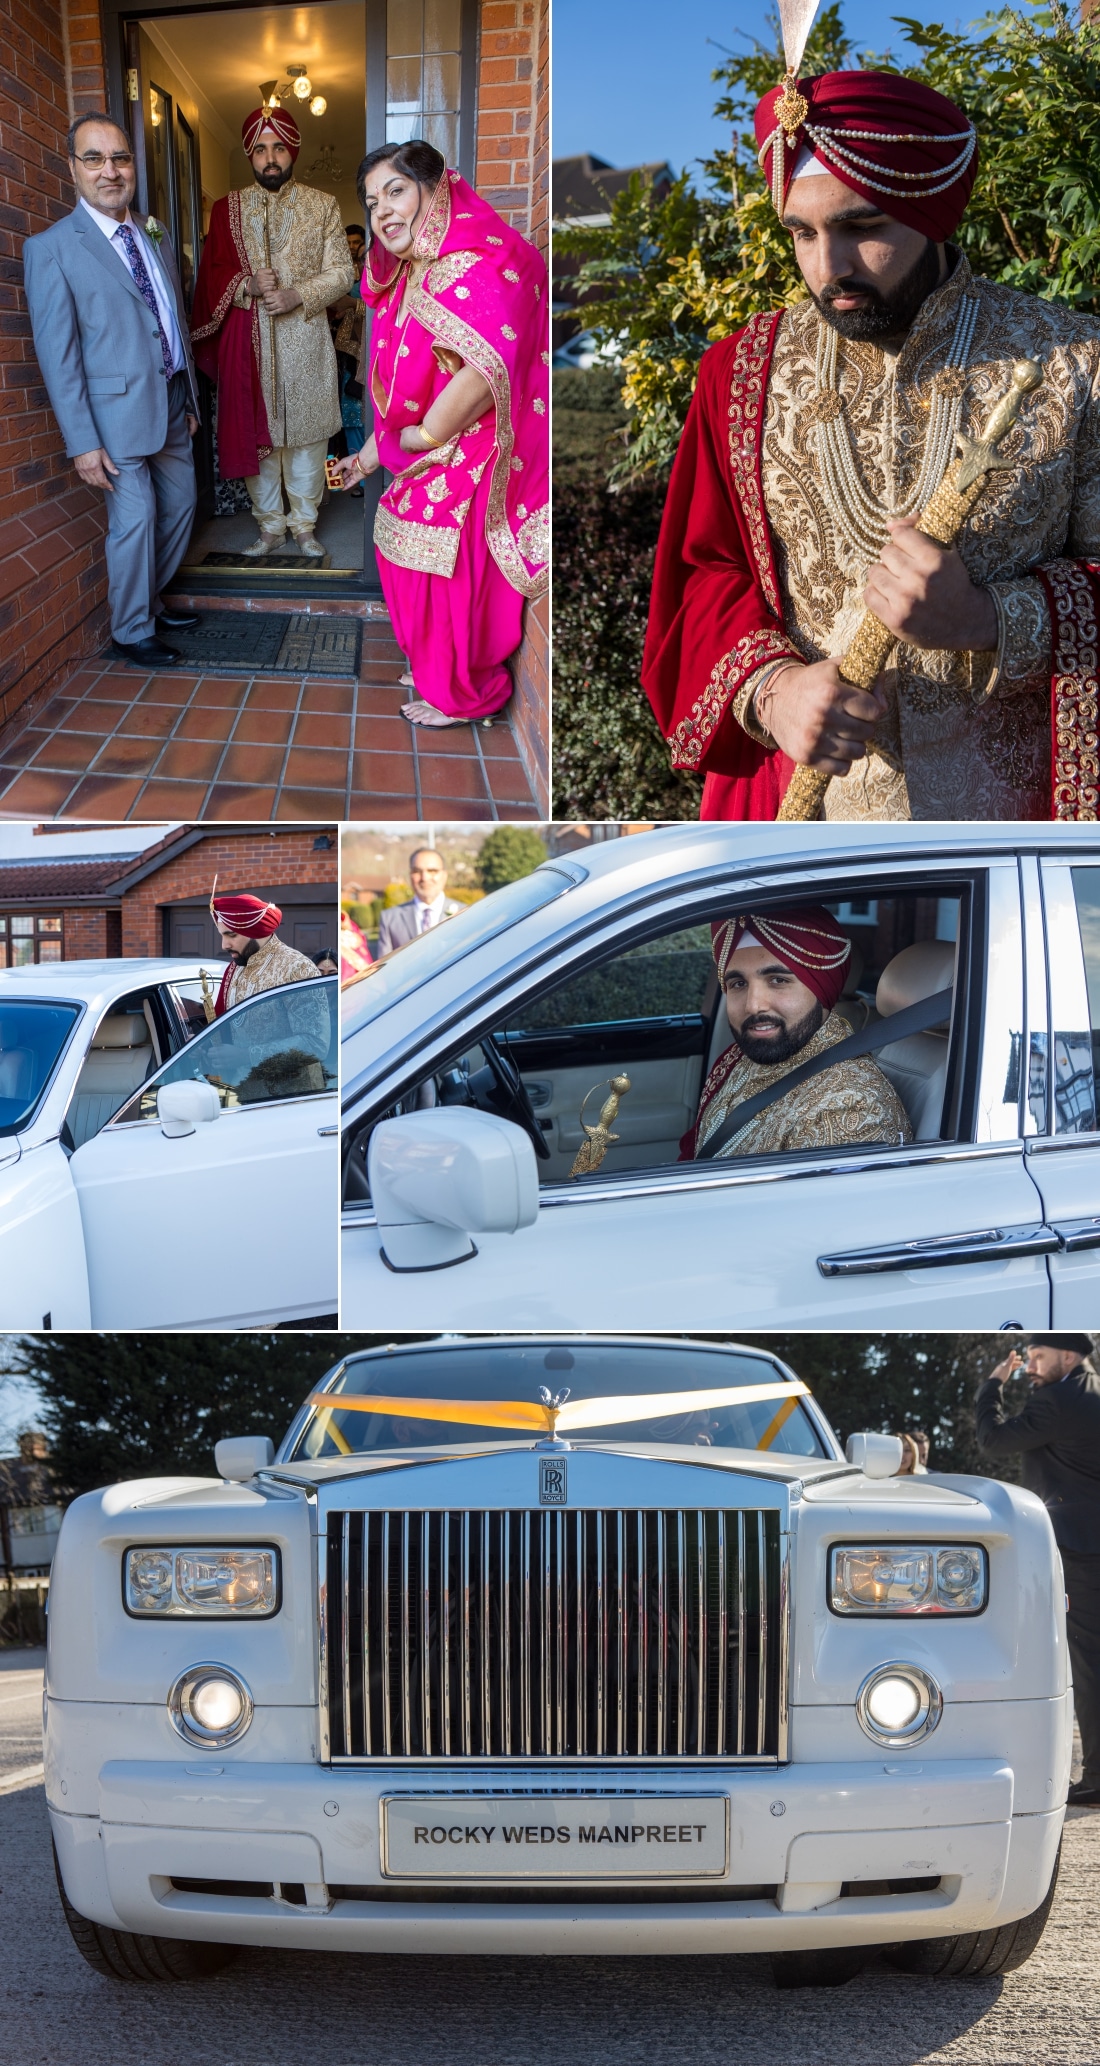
point(120, 1058)
point(917, 1065)
point(658, 1108)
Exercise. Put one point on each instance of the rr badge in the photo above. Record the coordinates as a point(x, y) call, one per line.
point(552, 1482)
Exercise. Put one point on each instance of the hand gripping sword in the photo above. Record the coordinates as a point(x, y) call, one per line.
point(942, 519)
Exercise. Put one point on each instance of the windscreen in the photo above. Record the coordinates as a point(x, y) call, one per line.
point(687, 1396)
point(32, 1036)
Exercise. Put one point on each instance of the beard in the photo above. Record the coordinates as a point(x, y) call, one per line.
point(885, 315)
point(781, 1046)
point(273, 177)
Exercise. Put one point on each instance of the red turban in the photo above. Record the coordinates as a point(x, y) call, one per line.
point(807, 940)
point(277, 119)
point(246, 915)
point(894, 142)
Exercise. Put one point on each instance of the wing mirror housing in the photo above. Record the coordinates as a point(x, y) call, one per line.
point(437, 1178)
point(183, 1106)
point(877, 1456)
point(239, 1457)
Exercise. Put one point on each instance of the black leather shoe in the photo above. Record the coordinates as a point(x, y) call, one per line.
point(178, 620)
point(147, 652)
point(1082, 1796)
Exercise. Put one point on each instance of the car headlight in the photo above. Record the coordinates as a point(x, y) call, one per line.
point(908, 1578)
point(898, 1704)
point(201, 1582)
point(210, 1706)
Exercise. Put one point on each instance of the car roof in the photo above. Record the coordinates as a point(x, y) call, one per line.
point(88, 980)
point(701, 846)
point(557, 1338)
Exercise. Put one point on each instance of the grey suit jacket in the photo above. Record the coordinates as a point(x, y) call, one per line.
point(398, 926)
point(97, 342)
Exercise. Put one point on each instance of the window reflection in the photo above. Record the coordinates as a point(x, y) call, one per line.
point(423, 73)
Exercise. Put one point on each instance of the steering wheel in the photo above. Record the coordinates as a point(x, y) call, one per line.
point(506, 1095)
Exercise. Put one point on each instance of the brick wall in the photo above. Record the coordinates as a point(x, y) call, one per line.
point(86, 934)
point(513, 117)
point(53, 583)
point(241, 861)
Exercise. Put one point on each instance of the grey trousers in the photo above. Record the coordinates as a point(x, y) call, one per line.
point(1083, 1632)
point(150, 513)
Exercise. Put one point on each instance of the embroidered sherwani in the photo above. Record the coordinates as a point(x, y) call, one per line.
point(846, 1106)
point(273, 963)
point(309, 251)
point(965, 735)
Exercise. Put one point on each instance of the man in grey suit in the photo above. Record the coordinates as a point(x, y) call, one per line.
point(110, 331)
point(428, 906)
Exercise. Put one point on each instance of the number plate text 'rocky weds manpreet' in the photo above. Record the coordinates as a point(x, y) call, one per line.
point(554, 1836)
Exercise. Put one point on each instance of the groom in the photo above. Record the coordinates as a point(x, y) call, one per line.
point(110, 331)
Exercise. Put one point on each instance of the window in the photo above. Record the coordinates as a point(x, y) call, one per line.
point(25, 939)
point(1077, 1053)
point(423, 73)
point(281, 1044)
point(32, 1036)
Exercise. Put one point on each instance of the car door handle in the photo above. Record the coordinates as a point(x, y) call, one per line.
point(1074, 1235)
point(326, 1132)
point(985, 1245)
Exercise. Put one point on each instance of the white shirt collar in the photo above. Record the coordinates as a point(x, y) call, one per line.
point(106, 223)
point(434, 904)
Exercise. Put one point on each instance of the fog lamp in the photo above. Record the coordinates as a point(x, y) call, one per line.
point(211, 1706)
point(898, 1704)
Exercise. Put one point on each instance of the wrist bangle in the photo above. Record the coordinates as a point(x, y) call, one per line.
point(359, 464)
point(431, 443)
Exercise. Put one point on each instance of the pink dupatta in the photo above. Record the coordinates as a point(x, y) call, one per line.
point(472, 292)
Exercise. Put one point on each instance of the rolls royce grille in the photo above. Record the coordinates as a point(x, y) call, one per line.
point(623, 1634)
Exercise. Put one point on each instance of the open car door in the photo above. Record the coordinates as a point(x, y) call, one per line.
point(226, 1219)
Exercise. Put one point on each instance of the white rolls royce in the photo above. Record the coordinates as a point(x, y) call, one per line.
point(479, 1061)
point(122, 1202)
point(558, 1644)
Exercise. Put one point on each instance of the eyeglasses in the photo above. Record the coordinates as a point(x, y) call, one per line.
point(95, 160)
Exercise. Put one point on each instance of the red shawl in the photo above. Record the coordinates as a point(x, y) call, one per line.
point(226, 343)
point(717, 612)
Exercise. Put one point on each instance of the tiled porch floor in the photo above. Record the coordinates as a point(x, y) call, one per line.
point(114, 743)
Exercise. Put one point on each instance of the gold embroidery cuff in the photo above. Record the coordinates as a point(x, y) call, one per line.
point(1024, 648)
point(692, 737)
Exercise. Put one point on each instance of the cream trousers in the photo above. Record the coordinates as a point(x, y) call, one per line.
point(301, 470)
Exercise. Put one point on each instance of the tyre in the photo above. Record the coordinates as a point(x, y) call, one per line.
point(142, 1961)
point(980, 1953)
point(818, 1968)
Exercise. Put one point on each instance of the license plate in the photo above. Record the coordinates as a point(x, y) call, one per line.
point(546, 1837)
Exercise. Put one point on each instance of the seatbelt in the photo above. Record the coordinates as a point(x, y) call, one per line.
point(917, 1018)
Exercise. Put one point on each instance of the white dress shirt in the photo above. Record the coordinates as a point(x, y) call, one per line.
point(161, 290)
point(428, 915)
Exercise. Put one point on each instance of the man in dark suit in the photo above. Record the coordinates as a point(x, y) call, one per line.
point(1058, 1436)
point(110, 331)
point(428, 906)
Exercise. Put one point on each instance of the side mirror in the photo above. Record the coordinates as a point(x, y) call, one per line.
point(183, 1106)
point(240, 1456)
point(877, 1456)
point(438, 1177)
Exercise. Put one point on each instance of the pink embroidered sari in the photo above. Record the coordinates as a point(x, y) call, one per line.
point(462, 533)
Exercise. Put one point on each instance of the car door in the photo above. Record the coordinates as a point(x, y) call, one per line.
point(231, 1223)
point(1064, 1152)
point(933, 1233)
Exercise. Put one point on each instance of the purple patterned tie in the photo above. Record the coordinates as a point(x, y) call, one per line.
point(144, 287)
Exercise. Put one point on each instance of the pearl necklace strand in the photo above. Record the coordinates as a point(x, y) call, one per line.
point(860, 519)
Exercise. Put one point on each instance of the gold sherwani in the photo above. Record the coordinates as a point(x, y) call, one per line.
point(309, 251)
point(273, 963)
point(847, 1106)
point(969, 733)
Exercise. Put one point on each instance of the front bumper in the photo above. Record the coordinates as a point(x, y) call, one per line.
point(811, 1848)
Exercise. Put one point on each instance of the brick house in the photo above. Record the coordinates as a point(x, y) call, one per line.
point(59, 57)
point(156, 902)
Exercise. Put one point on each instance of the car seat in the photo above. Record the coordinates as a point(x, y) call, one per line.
point(16, 1073)
point(118, 1061)
point(917, 1064)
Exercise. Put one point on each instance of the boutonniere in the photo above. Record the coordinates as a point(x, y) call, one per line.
point(153, 230)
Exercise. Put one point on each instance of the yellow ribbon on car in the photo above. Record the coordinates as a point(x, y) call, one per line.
point(532, 1417)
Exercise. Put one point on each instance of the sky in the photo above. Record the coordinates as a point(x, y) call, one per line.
point(632, 77)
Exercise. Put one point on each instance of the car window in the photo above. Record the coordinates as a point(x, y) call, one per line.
point(1077, 1050)
point(629, 1044)
point(388, 981)
point(281, 1044)
point(193, 998)
point(32, 1036)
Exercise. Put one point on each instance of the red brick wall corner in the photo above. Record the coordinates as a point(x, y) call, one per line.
point(241, 862)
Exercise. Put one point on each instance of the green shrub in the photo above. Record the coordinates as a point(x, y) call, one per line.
point(510, 852)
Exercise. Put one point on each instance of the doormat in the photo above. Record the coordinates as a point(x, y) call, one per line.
point(261, 642)
point(292, 561)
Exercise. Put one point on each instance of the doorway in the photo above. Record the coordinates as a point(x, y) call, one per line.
point(355, 73)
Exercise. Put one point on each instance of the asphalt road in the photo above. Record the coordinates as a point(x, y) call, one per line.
point(292, 2009)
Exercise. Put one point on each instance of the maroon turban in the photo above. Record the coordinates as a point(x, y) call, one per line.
point(894, 142)
point(807, 940)
point(246, 915)
point(277, 119)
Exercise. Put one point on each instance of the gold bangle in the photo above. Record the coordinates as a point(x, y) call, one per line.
point(432, 444)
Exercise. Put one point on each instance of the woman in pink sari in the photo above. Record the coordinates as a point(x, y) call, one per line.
point(458, 382)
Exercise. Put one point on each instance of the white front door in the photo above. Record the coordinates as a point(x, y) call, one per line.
point(233, 1223)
